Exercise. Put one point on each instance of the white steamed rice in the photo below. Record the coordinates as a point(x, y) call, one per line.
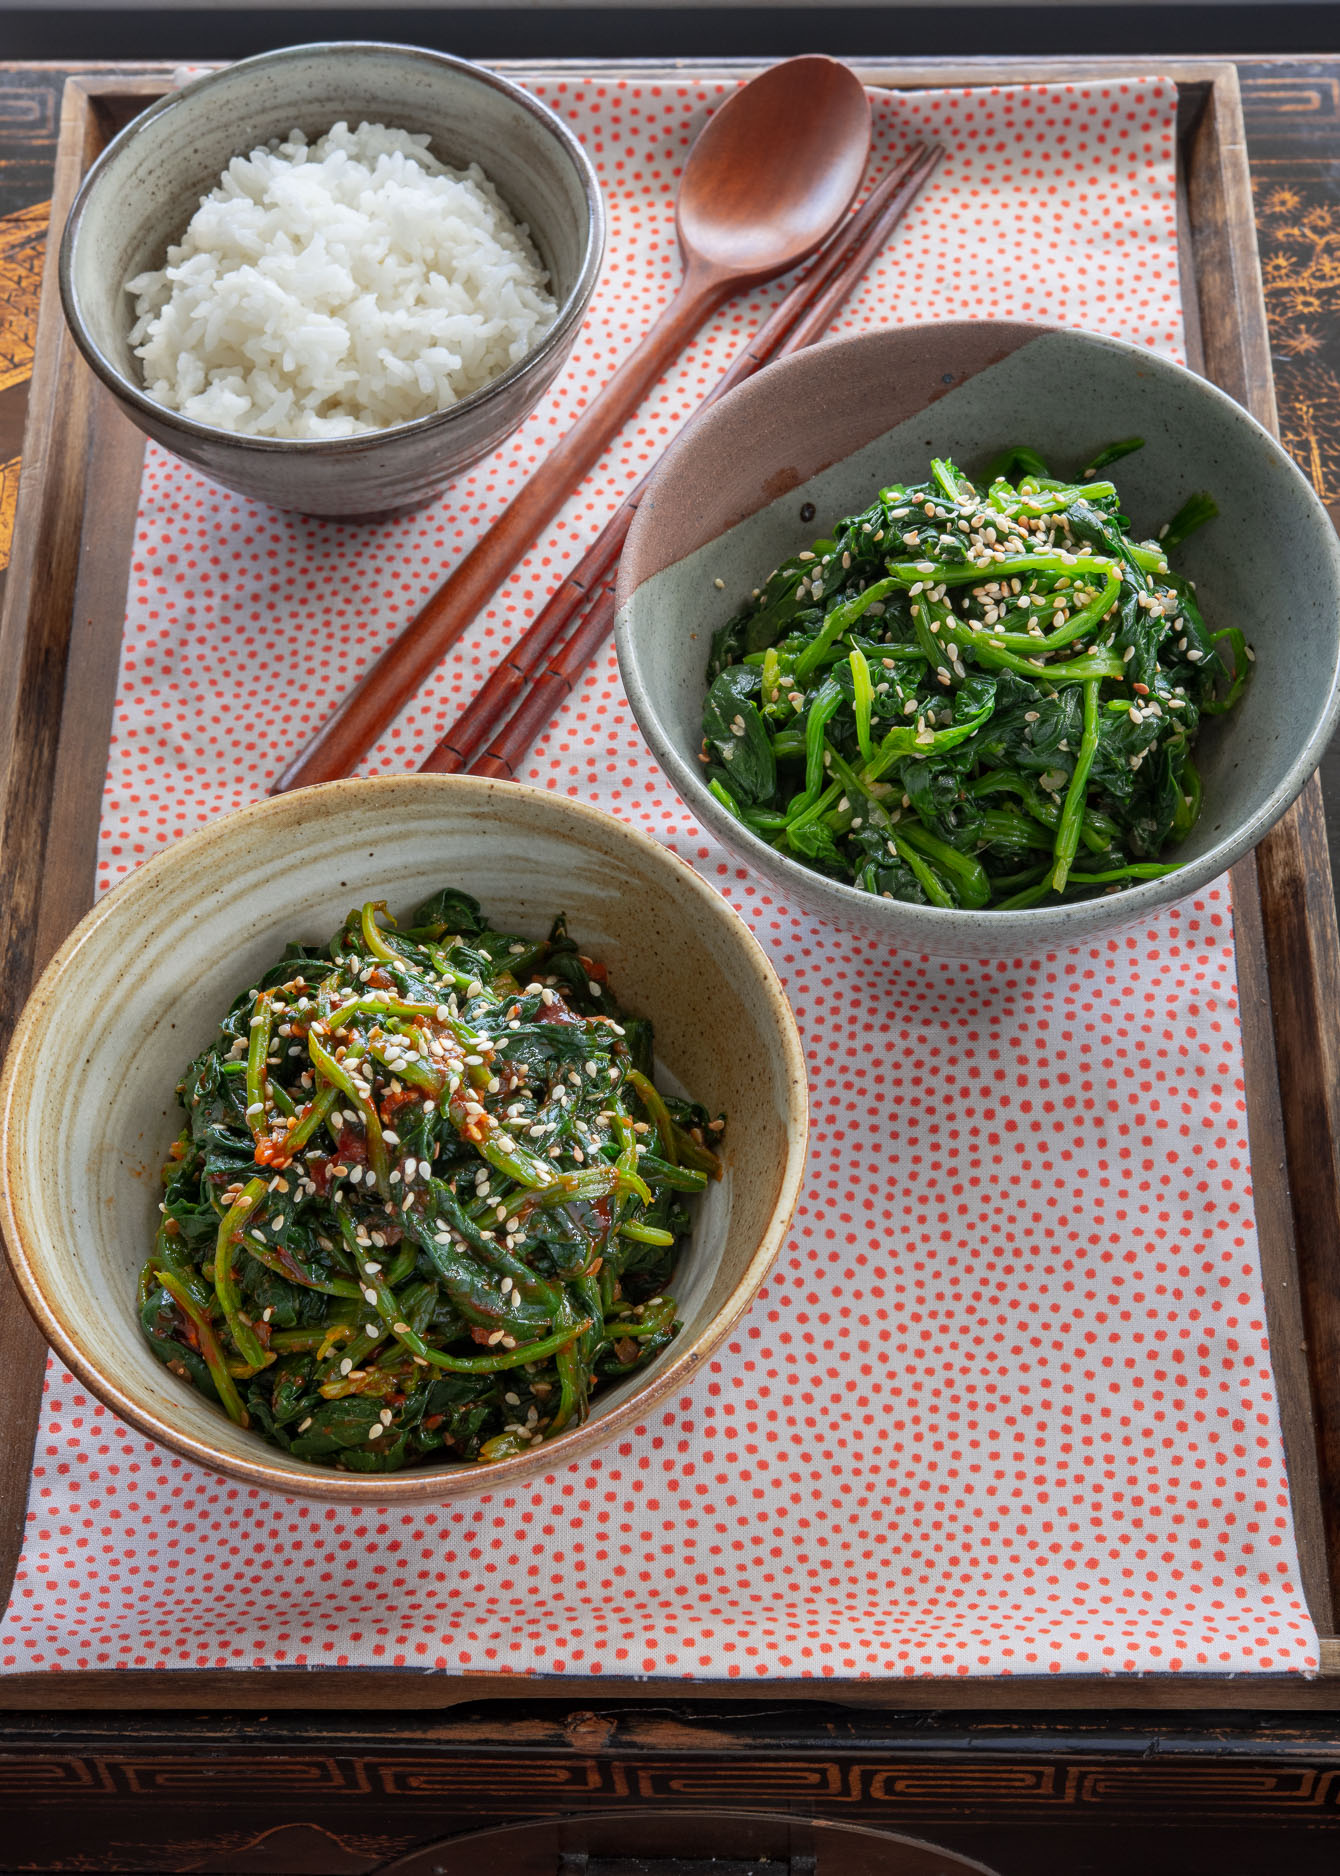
point(330, 288)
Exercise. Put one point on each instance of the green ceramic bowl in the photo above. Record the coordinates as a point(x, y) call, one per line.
point(829, 426)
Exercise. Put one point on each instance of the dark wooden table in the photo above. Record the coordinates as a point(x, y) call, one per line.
point(1064, 1791)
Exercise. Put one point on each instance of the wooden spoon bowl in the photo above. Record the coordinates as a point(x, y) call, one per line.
point(774, 170)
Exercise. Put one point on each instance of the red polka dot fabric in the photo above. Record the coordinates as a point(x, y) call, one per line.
point(1005, 1404)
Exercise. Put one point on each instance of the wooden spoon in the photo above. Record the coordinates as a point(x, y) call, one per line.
point(769, 178)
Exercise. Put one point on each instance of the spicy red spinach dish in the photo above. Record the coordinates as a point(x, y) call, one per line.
point(974, 696)
point(427, 1198)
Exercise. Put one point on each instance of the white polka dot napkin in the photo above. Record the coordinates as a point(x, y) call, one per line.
point(1005, 1404)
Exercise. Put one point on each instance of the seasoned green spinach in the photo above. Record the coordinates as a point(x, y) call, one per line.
point(427, 1198)
point(974, 694)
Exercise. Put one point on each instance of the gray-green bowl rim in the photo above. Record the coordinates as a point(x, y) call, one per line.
point(571, 313)
point(845, 905)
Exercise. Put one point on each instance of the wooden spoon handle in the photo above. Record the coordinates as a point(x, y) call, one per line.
point(384, 690)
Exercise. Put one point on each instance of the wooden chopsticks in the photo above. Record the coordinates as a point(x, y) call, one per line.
point(563, 671)
point(484, 739)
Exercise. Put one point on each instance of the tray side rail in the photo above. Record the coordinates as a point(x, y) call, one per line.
point(1298, 913)
point(72, 542)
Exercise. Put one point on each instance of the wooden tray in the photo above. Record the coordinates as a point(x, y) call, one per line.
point(59, 648)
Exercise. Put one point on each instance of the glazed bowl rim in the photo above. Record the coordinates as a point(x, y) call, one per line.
point(570, 314)
point(1016, 932)
point(268, 1469)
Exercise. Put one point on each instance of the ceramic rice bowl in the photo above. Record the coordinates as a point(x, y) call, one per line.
point(142, 191)
point(88, 1110)
point(822, 431)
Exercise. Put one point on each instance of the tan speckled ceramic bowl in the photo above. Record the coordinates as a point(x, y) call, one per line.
point(87, 1107)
